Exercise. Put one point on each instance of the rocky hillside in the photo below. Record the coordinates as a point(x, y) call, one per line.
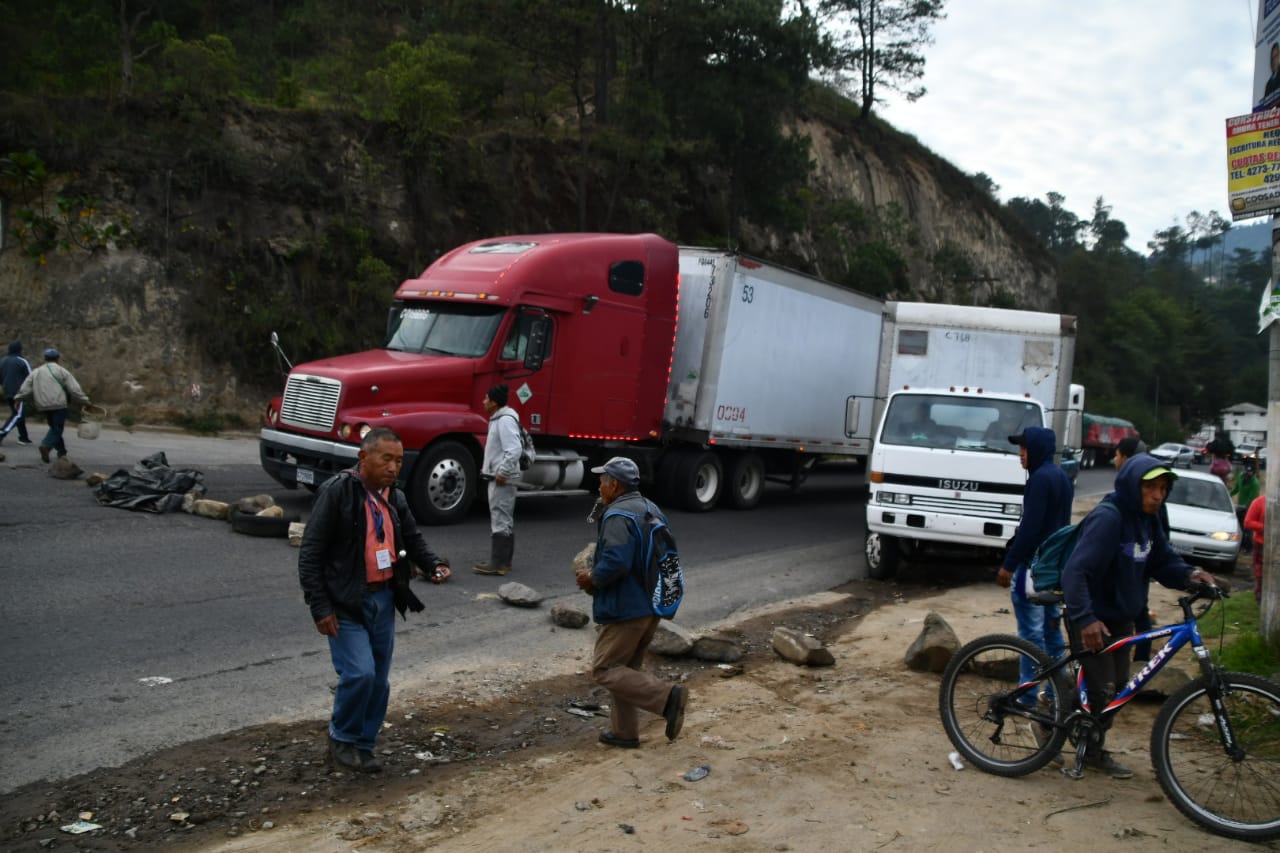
point(236, 221)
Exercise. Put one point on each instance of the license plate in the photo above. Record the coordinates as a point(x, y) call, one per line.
point(305, 476)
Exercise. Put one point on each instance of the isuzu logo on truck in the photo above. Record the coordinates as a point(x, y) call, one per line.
point(958, 485)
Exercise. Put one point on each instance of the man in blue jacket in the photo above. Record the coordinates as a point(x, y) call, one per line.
point(14, 369)
point(623, 611)
point(1046, 506)
point(1105, 582)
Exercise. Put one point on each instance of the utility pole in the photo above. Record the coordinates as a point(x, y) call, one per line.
point(1269, 607)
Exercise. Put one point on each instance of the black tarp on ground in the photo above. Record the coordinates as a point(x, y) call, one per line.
point(152, 486)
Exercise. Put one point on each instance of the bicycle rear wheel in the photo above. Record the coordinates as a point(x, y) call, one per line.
point(979, 717)
point(1238, 798)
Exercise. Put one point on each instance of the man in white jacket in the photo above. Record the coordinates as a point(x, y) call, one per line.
point(502, 469)
point(51, 387)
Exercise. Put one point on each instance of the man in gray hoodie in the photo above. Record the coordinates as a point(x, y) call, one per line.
point(52, 387)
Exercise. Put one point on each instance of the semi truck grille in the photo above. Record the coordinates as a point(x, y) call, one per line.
point(310, 402)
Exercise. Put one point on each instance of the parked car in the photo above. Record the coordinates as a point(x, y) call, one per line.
point(1247, 451)
point(1202, 521)
point(1201, 447)
point(1177, 455)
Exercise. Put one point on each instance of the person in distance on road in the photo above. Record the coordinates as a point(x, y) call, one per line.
point(1104, 583)
point(623, 612)
point(354, 570)
point(52, 387)
point(1046, 506)
point(14, 369)
point(502, 469)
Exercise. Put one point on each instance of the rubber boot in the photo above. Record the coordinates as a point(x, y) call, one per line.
point(498, 563)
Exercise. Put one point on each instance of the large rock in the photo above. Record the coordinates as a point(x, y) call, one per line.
point(271, 512)
point(671, 640)
point(932, 650)
point(255, 504)
point(718, 649)
point(64, 469)
point(799, 647)
point(585, 558)
point(1162, 684)
point(568, 616)
point(210, 508)
point(296, 529)
point(519, 595)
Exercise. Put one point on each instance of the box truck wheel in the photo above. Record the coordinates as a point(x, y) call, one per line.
point(698, 480)
point(744, 479)
point(884, 553)
point(443, 484)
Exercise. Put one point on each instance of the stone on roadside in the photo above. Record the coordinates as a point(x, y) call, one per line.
point(64, 469)
point(585, 558)
point(568, 616)
point(1162, 684)
point(672, 640)
point(798, 647)
point(95, 479)
point(717, 649)
point(255, 504)
point(932, 650)
point(272, 512)
point(519, 595)
point(210, 508)
point(296, 529)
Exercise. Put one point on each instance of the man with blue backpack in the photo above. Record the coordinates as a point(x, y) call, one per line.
point(1046, 506)
point(626, 602)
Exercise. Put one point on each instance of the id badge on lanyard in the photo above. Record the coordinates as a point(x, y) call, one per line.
point(382, 555)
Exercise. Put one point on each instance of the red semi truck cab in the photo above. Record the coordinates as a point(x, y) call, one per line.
point(581, 327)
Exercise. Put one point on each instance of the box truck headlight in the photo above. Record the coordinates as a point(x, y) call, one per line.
point(1013, 509)
point(893, 498)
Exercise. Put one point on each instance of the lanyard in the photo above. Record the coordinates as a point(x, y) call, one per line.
point(376, 512)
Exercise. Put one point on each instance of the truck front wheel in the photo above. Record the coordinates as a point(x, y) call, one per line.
point(884, 554)
point(443, 484)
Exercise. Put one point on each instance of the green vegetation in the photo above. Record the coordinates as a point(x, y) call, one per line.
point(1243, 649)
point(209, 422)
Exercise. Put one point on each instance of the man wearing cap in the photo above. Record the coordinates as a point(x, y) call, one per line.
point(623, 612)
point(51, 387)
point(1105, 582)
point(502, 469)
point(1046, 506)
point(14, 369)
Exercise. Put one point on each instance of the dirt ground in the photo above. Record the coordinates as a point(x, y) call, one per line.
point(849, 757)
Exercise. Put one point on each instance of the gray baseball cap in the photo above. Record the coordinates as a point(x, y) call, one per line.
point(622, 469)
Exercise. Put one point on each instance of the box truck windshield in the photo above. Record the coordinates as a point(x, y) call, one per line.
point(465, 331)
point(947, 422)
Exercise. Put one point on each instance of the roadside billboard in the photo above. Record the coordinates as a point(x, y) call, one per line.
point(1253, 163)
point(1266, 65)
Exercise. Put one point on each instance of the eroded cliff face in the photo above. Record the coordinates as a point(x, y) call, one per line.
point(127, 317)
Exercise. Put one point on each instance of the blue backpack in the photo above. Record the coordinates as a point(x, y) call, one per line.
point(663, 574)
point(1044, 572)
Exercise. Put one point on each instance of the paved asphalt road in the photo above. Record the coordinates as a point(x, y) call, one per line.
point(99, 599)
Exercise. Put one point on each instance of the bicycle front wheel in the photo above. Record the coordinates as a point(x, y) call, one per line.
point(1239, 796)
point(980, 717)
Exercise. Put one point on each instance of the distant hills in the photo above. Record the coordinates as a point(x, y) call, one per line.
point(1254, 235)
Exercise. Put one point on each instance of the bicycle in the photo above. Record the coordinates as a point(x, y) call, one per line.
point(1215, 744)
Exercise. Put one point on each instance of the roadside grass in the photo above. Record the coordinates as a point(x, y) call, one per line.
point(1243, 648)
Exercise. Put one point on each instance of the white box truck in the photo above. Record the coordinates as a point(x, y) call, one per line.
point(772, 370)
point(956, 382)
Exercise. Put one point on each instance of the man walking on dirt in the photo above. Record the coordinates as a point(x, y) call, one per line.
point(621, 607)
point(355, 576)
point(502, 469)
point(1046, 506)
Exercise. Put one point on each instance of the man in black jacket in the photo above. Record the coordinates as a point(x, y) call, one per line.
point(354, 568)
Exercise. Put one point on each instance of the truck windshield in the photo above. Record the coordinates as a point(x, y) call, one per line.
point(465, 331)
point(958, 423)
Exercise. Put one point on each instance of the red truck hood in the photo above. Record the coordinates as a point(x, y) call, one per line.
point(399, 377)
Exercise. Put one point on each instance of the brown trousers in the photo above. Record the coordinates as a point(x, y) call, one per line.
point(615, 666)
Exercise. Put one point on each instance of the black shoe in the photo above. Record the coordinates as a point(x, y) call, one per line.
point(44, 453)
point(608, 738)
point(345, 755)
point(25, 442)
point(369, 762)
point(674, 712)
point(1108, 765)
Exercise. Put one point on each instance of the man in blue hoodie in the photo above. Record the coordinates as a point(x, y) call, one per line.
point(1046, 506)
point(14, 369)
point(1104, 582)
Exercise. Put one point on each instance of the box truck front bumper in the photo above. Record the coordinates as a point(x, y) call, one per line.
point(987, 524)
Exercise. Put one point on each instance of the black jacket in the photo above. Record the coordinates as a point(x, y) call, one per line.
point(331, 565)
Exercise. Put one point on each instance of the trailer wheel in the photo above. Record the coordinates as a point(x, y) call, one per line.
point(744, 480)
point(699, 480)
point(443, 484)
point(884, 554)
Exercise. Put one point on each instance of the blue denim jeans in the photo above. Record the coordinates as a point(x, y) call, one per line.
point(1042, 625)
point(362, 658)
point(53, 438)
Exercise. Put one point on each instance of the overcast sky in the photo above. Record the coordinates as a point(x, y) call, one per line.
point(1120, 98)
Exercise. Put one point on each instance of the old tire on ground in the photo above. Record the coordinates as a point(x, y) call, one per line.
point(699, 480)
point(262, 525)
point(884, 554)
point(444, 484)
point(744, 480)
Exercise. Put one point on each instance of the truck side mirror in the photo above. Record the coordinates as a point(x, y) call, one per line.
point(536, 349)
point(852, 412)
